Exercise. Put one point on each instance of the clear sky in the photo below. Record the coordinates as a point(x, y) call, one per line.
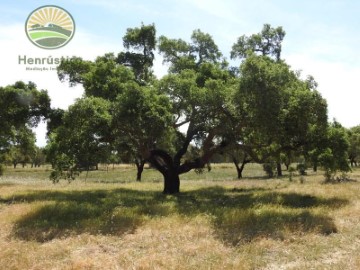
point(322, 39)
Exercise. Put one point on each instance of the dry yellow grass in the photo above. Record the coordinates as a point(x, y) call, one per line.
point(186, 231)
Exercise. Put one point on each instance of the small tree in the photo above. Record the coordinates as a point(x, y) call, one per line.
point(37, 157)
point(335, 158)
point(22, 147)
point(301, 167)
point(240, 158)
point(354, 145)
point(269, 168)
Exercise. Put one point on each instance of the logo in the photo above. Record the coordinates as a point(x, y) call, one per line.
point(50, 27)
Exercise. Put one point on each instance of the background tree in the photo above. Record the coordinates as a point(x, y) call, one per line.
point(109, 77)
point(275, 99)
point(279, 109)
point(83, 137)
point(22, 106)
point(335, 157)
point(354, 147)
point(240, 158)
point(22, 147)
point(266, 43)
point(37, 157)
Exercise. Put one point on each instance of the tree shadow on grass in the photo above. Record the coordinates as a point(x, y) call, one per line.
point(237, 215)
point(69, 213)
point(240, 216)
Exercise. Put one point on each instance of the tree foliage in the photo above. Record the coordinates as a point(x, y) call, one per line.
point(265, 111)
point(81, 141)
point(182, 55)
point(140, 43)
point(141, 120)
point(103, 78)
point(22, 106)
point(266, 43)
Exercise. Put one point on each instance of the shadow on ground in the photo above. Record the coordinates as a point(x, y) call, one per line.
point(237, 215)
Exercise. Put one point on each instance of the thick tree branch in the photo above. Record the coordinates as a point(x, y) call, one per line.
point(161, 160)
point(177, 125)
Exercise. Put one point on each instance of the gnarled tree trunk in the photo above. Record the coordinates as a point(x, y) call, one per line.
point(171, 168)
point(163, 162)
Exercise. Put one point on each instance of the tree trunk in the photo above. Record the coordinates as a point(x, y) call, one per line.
point(352, 162)
point(208, 165)
point(239, 172)
point(287, 165)
point(278, 168)
point(287, 161)
point(239, 169)
point(236, 163)
point(171, 182)
point(315, 167)
point(163, 162)
point(140, 167)
point(171, 168)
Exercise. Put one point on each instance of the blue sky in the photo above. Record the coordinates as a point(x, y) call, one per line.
point(322, 39)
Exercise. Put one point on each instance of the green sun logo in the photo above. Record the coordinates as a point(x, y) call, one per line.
point(50, 27)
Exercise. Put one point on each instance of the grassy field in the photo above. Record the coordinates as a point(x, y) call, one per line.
point(106, 220)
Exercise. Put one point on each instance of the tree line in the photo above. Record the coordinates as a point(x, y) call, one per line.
point(203, 109)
